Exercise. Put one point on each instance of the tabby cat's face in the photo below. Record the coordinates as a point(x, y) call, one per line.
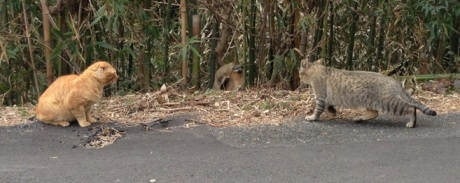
point(309, 69)
point(304, 71)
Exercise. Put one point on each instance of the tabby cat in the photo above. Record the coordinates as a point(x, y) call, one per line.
point(352, 89)
point(71, 97)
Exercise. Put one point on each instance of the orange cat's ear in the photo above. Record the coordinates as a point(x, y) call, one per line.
point(93, 68)
point(103, 67)
point(100, 70)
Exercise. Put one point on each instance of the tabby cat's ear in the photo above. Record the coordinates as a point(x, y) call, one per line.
point(319, 61)
point(304, 63)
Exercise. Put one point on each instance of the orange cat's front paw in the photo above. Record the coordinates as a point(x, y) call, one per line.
point(64, 124)
point(91, 120)
point(84, 123)
point(57, 123)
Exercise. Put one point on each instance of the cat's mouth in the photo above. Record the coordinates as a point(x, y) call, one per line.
point(114, 79)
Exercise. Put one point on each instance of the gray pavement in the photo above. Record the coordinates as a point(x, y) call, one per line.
point(382, 150)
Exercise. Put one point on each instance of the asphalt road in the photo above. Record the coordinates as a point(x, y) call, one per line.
point(382, 150)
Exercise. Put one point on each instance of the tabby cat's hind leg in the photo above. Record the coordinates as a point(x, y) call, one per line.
point(370, 114)
point(413, 118)
point(331, 109)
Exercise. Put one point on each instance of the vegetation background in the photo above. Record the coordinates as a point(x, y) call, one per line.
point(177, 41)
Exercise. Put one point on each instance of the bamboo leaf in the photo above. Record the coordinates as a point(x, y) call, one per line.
point(195, 51)
point(57, 50)
point(106, 45)
point(101, 53)
point(57, 33)
point(12, 53)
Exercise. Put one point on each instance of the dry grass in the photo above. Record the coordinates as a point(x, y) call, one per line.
point(220, 109)
point(105, 136)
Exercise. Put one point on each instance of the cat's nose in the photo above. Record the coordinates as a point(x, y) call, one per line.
point(115, 79)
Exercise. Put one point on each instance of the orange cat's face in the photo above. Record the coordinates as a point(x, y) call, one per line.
point(103, 72)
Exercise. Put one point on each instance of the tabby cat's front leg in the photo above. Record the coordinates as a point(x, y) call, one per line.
point(319, 108)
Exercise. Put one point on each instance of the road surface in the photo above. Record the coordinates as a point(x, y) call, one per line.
point(382, 150)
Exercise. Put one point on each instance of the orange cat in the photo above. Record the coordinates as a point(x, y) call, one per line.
point(71, 97)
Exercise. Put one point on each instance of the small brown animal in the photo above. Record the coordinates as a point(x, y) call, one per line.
point(351, 89)
point(71, 97)
point(229, 77)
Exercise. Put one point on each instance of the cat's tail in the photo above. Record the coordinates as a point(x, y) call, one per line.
point(420, 106)
point(427, 110)
point(423, 108)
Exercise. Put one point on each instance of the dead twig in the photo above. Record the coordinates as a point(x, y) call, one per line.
point(173, 109)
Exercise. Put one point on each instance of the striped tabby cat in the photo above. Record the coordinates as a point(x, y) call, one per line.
point(352, 89)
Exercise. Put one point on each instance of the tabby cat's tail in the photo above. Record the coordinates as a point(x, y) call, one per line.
point(428, 111)
point(419, 105)
point(424, 109)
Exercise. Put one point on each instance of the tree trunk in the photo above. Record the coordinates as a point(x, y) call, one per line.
point(31, 54)
point(196, 58)
point(166, 38)
point(272, 39)
point(141, 74)
point(454, 47)
point(121, 45)
point(381, 43)
point(5, 14)
point(143, 69)
point(263, 25)
point(252, 44)
point(371, 48)
point(191, 11)
point(351, 35)
point(225, 32)
point(47, 40)
point(303, 43)
point(183, 12)
point(212, 57)
point(330, 44)
point(440, 54)
point(316, 50)
point(245, 39)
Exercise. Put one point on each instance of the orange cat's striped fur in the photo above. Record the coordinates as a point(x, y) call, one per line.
point(373, 91)
point(71, 97)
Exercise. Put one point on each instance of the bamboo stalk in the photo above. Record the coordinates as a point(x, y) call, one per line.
point(252, 44)
point(5, 14)
point(47, 39)
point(330, 44)
point(372, 32)
point(212, 57)
point(46, 12)
point(351, 35)
point(29, 43)
point(196, 59)
point(183, 11)
point(381, 38)
point(166, 38)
